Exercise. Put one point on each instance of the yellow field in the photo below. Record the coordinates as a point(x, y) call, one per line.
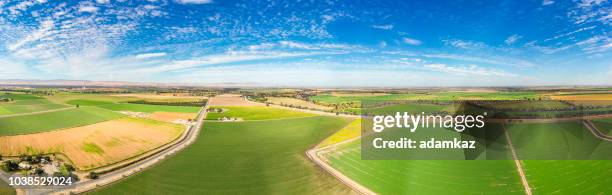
point(96, 145)
point(297, 102)
point(353, 130)
point(587, 97)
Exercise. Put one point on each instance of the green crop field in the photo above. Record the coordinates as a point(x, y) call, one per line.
point(569, 176)
point(33, 104)
point(5, 189)
point(149, 108)
point(604, 125)
point(255, 113)
point(55, 120)
point(331, 99)
point(427, 176)
point(256, 157)
point(88, 102)
point(19, 96)
point(562, 140)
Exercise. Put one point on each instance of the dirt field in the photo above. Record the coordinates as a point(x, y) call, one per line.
point(231, 100)
point(172, 116)
point(95, 145)
point(297, 102)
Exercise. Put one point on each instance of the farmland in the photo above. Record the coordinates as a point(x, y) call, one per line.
point(149, 108)
point(293, 102)
point(561, 140)
point(426, 177)
point(24, 103)
point(603, 125)
point(55, 120)
point(257, 157)
point(351, 131)
point(255, 113)
point(95, 145)
point(330, 98)
point(569, 176)
point(5, 189)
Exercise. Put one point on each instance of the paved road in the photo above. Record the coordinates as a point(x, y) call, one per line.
point(106, 179)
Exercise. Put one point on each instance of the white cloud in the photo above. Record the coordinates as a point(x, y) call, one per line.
point(150, 55)
point(511, 39)
point(90, 9)
point(411, 41)
point(464, 44)
point(103, 1)
point(194, 1)
point(468, 70)
point(548, 2)
point(383, 27)
point(590, 3)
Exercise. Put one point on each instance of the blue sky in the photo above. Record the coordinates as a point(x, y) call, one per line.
point(310, 43)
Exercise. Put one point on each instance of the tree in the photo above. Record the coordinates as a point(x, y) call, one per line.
point(93, 175)
point(39, 171)
point(11, 165)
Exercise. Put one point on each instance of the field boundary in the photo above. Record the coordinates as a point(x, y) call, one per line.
point(518, 164)
point(596, 132)
point(317, 156)
point(37, 112)
point(142, 164)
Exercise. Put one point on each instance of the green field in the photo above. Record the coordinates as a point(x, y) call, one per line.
point(88, 102)
point(55, 120)
point(19, 96)
point(5, 189)
point(26, 104)
point(255, 113)
point(603, 125)
point(569, 176)
point(327, 98)
point(562, 140)
point(256, 157)
point(427, 176)
point(147, 108)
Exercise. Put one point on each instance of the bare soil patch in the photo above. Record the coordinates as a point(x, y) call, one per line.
point(293, 102)
point(95, 145)
point(231, 100)
point(173, 117)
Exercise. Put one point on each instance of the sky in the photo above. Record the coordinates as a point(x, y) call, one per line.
point(310, 43)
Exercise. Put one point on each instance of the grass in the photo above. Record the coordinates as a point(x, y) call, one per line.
point(149, 108)
point(5, 189)
point(92, 148)
point(557, 141)
point(19, 96)
point(28, 106)
point(603, 125)
point(351, 131)
point(569, 176)
point(331, 99)
point(563, 140)
point(88, 102)
point(55, 120)
point(256, 113)
point(427, 176)
point(256, 157)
